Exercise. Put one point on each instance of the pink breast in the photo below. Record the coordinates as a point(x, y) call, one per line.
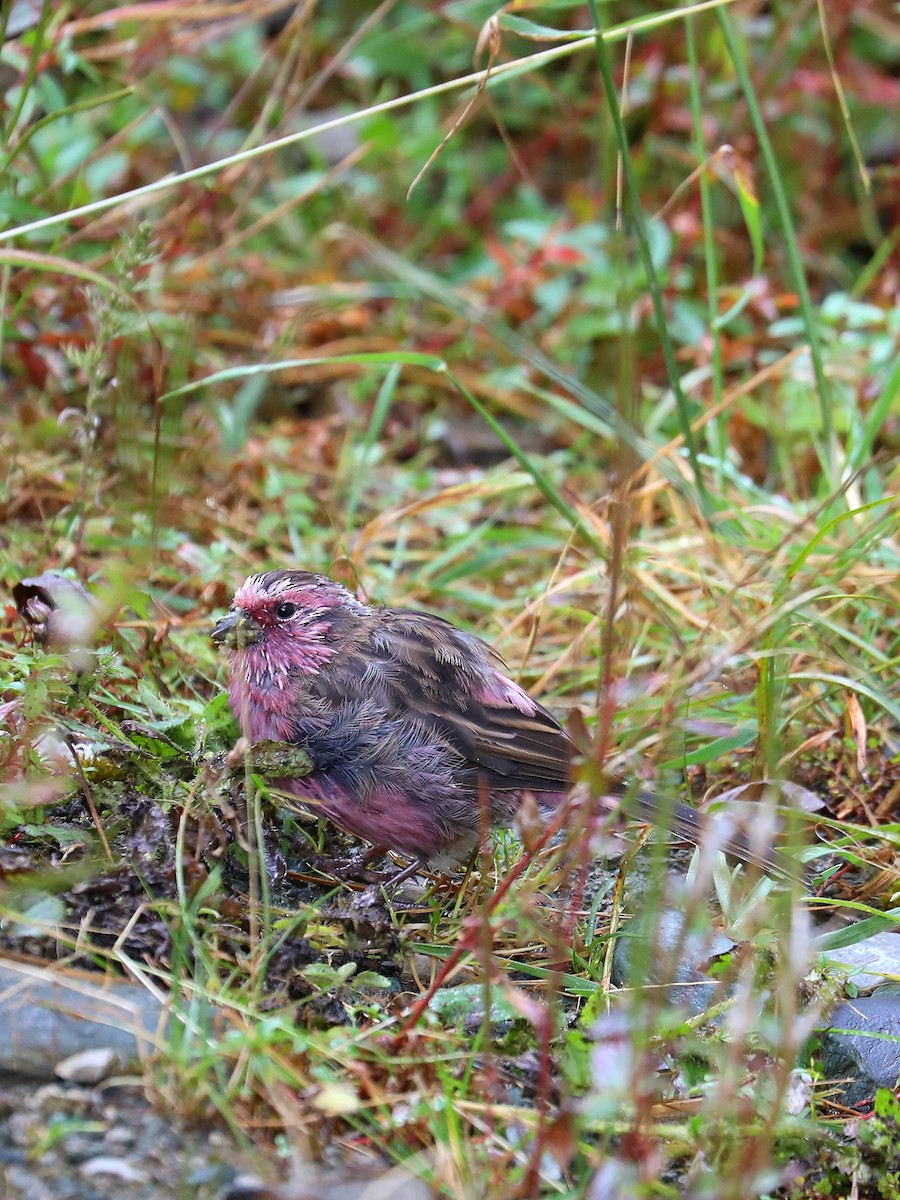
point(262, 715)
point(384, 818)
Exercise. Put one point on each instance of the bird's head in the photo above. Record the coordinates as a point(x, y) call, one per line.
point(284, 621)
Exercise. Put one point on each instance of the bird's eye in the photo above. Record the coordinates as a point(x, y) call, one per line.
point(285, 610)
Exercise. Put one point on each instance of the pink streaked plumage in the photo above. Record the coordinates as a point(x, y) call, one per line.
point(411, 723)
point(265, 671)
point(413, 726)
point(386, 819)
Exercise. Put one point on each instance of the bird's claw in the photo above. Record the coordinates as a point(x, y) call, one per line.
point(352, 870)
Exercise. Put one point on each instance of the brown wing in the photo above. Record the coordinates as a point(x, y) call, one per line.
point(519, 750)
point(452, 684)
point(512, 749)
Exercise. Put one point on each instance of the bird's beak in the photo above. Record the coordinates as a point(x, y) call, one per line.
point(236, 629)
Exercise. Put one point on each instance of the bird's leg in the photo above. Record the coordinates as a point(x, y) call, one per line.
point(375, 905)
point(401, 876)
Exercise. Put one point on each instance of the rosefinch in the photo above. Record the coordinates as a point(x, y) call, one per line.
point(411, 724)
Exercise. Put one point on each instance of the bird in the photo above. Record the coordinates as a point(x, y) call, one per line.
point(415, 730)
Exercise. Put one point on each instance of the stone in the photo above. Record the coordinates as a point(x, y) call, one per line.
point(868, 962)
point(50, 1013)
point(850, 1055)
point(118, 1168)
point(646, 957)
point(88, 1066)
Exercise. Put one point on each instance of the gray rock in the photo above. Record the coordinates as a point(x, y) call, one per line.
point(50, 1013)
point(860, 1049)
point(21, 1182)
point(661, 953)
point(117, 1168)
point(88, 1066)
point(870, 961)
point(368, 1183)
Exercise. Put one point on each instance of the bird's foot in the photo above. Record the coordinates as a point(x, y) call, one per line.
point(354, 869)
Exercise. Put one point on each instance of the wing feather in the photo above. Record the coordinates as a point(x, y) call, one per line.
point(453, 685)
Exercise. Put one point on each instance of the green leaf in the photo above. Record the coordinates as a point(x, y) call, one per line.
point(371, 979)
point(539, 33)
point(39, 916)
point(749, 203)
point(63, 835)
point(717, 748)
point(860, 931)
